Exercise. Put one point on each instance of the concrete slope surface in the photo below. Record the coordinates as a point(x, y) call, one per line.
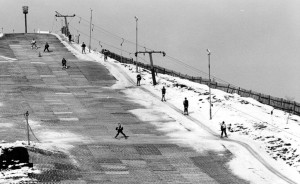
point(73, 114)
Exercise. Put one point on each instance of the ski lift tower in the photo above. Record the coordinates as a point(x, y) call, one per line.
point(67, 33)
point(151, 61)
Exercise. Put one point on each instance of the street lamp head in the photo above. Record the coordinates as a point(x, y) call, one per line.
point(136, 18)
point(25, 9)
point(208, 51)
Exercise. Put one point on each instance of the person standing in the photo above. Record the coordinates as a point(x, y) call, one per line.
point(138, 79)
point(83, 47)
point(223, 129)
point(46, 47)
point(119, 129)
point(163, 93)
point(33, 43)
point(64, 63)
point(185, 106)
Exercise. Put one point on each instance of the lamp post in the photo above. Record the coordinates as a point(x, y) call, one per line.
point(208, 53)
point(26, 118)
point(25, 11)
point(136, 43)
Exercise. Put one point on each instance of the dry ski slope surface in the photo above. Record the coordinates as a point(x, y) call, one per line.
point(76, 107)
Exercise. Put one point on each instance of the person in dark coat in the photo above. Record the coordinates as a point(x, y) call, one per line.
point(186, 106)
point(138, 79)
point(163, 93)
point(119, 129)
point(64, 63)
point(105, 53)
point(83, 47)
point(223, 129)
point(46, 47)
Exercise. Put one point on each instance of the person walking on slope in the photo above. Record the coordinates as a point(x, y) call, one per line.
point(83, 47)
point(138, 79)
point(223, 129)
point(185, 106)
point(33, 44)
point(163, 93)
point(46, 47)
point(119, 129)
point(64, 63)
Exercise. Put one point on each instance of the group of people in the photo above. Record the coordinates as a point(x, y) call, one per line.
point(119, 128)
point(34, 45)
point(185, 106)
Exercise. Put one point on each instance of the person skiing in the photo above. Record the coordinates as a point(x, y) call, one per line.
point(64, 63)
point(46, 47)
point(186, 106)
point(83, 47)
point(163, 93)
point(33, 43)
point(119, 129)
point(138, 79)
point(223, 129)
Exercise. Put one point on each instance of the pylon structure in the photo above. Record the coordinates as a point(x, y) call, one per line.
point(65, 16)
point(151, 61)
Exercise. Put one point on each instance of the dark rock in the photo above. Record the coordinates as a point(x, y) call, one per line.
point(13, 156)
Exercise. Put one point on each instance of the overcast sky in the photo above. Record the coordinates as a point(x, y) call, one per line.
point(255, 44)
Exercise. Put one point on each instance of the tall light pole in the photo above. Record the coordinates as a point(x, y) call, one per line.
point(136, 43)
point(26, 118)
point(90, 32)
point(208, 53)
point(25, 11)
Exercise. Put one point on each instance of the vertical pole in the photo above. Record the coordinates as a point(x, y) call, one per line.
point(136, 43)
point(26, 117)
point(209, 85)
point(152, 69)
point(25, 23)
point(121, 53)
point(90, 32)
point(67, 27)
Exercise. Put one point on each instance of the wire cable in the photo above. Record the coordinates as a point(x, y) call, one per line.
point(33, 133)
point(99, 28)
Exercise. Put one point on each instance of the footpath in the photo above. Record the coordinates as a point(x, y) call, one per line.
point(73, 114)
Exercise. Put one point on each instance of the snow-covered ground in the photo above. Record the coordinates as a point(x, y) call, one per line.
point(273, 136)
point(272, 133)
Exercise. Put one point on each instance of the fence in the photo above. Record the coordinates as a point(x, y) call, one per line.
point(278, 103)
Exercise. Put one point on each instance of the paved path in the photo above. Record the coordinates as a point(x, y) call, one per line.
point(78, 101)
